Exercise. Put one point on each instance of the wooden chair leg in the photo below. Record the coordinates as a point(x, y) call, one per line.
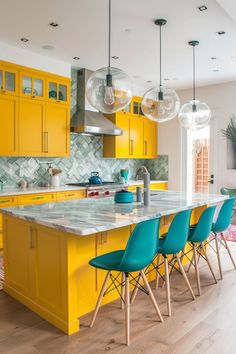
point(208, 262)
point(135, 291)
point(127, 310)
point(218, 255)
point(167, 282)
point(190, 265)
point(122, 304)
point(185, 276)
point(228, 249)
point(157, 274)
point(99, 300)
point(151, 295)
point(196, 269)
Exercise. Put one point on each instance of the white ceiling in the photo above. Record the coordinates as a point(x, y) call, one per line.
point(83, 28)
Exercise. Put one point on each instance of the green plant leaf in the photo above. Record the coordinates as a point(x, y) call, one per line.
point(230, 131)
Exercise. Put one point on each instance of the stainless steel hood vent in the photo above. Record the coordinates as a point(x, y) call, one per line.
point(86, 120)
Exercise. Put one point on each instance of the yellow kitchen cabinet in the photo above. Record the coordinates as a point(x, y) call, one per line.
point(71, 195)
point(136, 137)
point(32, 138)
point(57, 130)
point(159, 186)
point(32, 85)
point(30, 199)
point(149, 138)
point(8, 79)
point(8, 125)
point(58, 91)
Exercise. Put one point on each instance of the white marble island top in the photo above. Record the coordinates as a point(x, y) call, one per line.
point(87, 216)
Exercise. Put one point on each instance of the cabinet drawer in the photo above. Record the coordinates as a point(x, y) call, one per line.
point(71, 195)
point(160, 186)
point(7, 201)
point(28, 199)
point(133, 188)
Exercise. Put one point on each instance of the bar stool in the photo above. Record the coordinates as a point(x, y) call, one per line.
point(172, 244)
point(197, 235)
point(220, 226)
point(139, 253)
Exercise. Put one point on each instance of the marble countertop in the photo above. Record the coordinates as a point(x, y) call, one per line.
point(19, 191)
point(87, 216)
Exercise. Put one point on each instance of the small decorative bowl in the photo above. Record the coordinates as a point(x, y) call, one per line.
point(124, 197)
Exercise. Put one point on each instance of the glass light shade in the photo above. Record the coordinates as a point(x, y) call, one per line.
point(194, 118)
point(160, 110)
point(109, 94)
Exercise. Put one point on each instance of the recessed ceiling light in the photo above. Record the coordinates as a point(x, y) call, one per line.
point(166, 79)
point(115, 57)
point(53, 24)
point(76, 58)
point(233, 57)
point(148, 81)
point(24, 40)
point(48, 47)
point(136, 76)
point(213, 58)
point(215, 70)
point(127, 30)
point(220, 33)
point(202, 8)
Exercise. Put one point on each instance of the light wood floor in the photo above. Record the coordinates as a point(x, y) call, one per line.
point(207, 325)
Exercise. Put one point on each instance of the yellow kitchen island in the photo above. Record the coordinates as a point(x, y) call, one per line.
point(47, 248)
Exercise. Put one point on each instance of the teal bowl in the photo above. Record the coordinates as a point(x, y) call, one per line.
point(124, 197)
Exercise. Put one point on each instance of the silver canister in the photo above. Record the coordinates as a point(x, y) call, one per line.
point(139, 196)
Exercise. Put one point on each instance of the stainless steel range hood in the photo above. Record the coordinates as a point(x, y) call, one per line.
point(86, 120)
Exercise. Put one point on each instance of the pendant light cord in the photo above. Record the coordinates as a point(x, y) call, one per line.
point(194, 75)
point(160, 59)
point(109, 39)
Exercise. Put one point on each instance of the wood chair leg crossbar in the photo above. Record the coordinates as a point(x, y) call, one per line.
point(127, 279)
point(199, 251)
point(220, 240)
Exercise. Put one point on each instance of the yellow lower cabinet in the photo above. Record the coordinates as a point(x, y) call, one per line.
point(159, 186)
point(71, 195)
point(30, 199)
point(8, 124)
point(5, 202)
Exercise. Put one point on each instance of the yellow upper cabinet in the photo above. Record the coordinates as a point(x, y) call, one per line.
point(35, 121)
point(58, 91)
point(8, 125)
point(32, 85)
point(8, 79)
point(139, 139)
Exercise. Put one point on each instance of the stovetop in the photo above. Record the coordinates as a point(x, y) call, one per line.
point(87, 184)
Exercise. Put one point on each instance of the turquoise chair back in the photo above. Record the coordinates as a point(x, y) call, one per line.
point(228, 191)
point(204, 226)
point(223, 220)
point(177, 235)
point(141, 247)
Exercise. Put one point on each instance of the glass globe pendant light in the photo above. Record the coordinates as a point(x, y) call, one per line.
point(160, 104)
point(109, 89)
point(194, 115)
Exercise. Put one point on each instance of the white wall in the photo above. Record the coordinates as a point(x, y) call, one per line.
point(27, 58)
point(172, 139)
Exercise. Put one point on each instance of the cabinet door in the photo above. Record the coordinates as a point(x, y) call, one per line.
point(57, 130)
point(8, 80)
point(31, 125)
point(17, 260)
point(122, 142)
point(136, 137)
point(8, 123)
point(32, 86)
point(58, 91)
point(150, 139)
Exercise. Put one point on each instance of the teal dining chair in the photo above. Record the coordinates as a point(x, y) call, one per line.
point(172, 244)
point(138, 254)
point(231, 192)
point(198, 234)
point(219, 227)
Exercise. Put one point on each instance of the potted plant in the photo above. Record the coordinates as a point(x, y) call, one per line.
point(230, 134)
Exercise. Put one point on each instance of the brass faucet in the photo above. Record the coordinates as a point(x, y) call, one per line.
point(141, 168)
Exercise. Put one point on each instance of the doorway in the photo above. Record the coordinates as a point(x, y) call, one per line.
point(198, 160)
